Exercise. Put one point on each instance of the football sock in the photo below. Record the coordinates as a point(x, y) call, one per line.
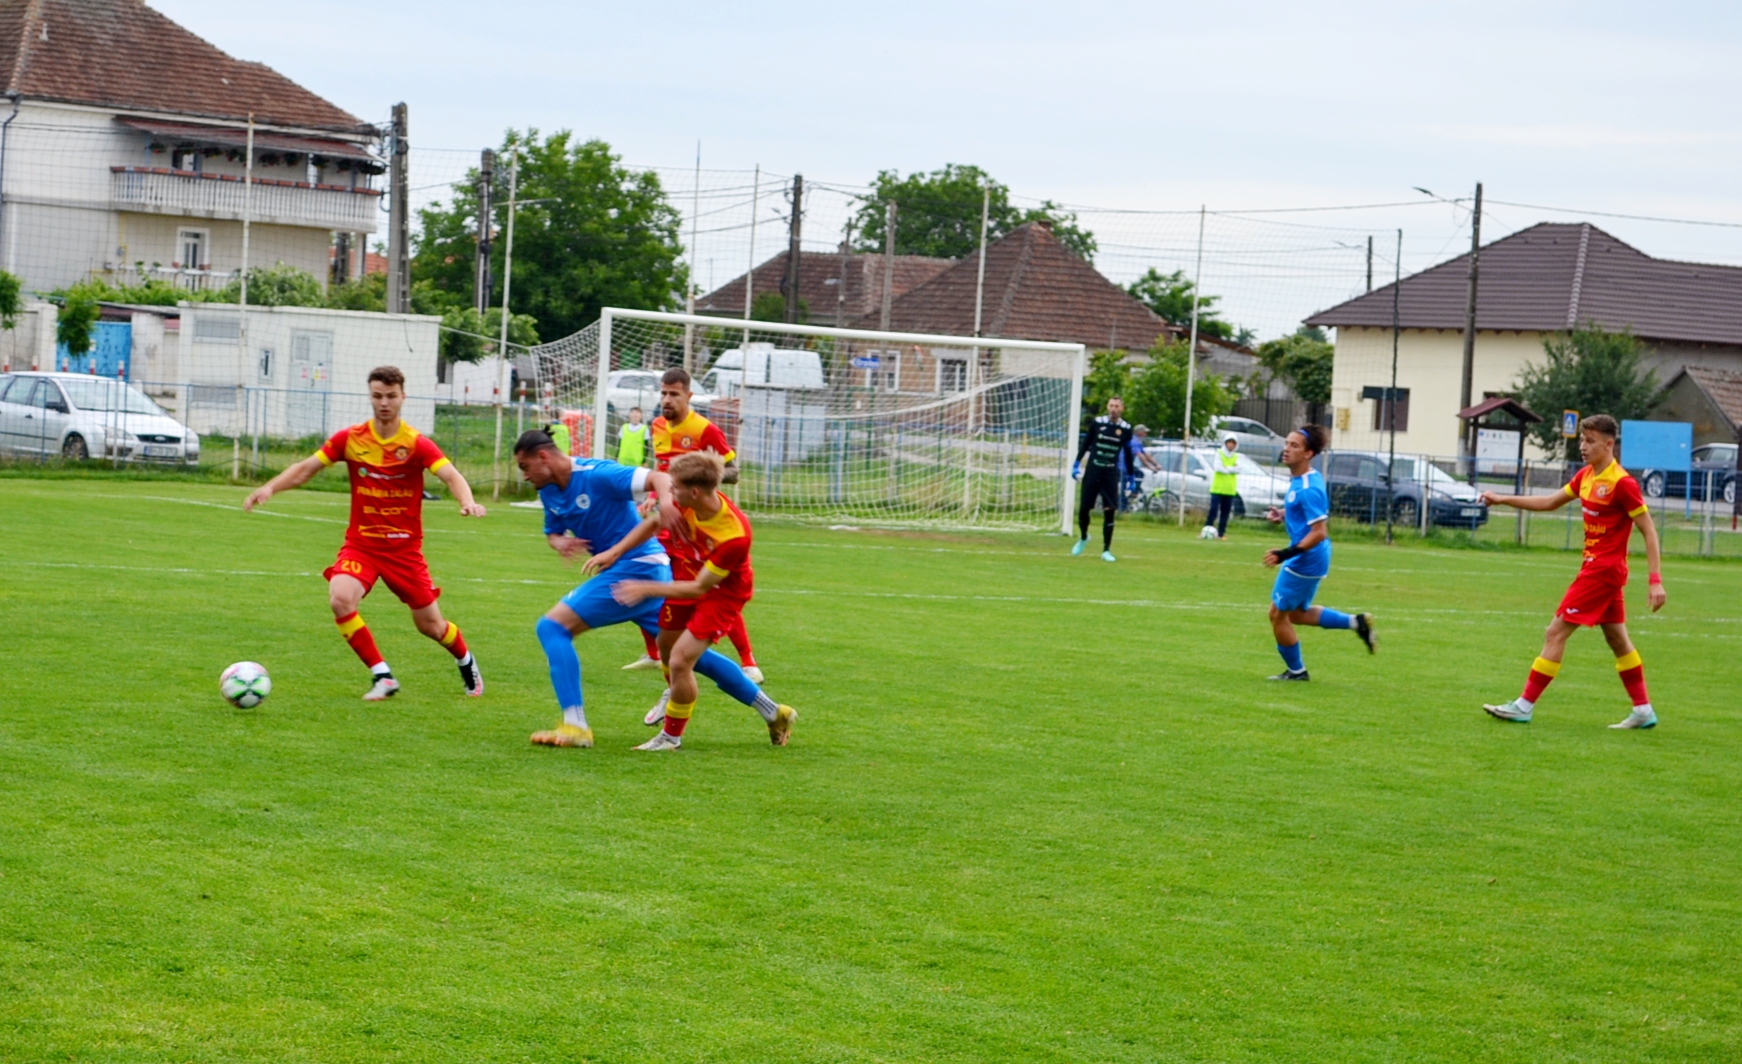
point(454, 642)
point(677, 714)
point(357, 634)
point(1329, 618)
point(766, 706)
point(380, 669)
point(728, 676)
point(1106, 532)
point(1291, 656)
point(565, 665)
point(740, 637)
point(1542, 673)
point(575, 715)
point(652, 644)
point(1632, 673)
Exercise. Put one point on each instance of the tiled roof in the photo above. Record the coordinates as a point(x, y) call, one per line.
point(819, 287)
point(1553, 276)
point(1725, 389)
point(1036, 289)
point(123, 54)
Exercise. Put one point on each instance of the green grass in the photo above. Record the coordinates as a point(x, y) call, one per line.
point(1037, 808)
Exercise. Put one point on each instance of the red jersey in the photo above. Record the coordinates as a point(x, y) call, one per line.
point(693, 433)
point(1611, 500)
point(719, 544)
point(386, 484)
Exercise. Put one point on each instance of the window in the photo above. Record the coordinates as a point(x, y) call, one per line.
point(952, 375)
point(1399, 409)
point(192, 248)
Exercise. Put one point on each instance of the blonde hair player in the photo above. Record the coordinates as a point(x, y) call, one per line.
point(1613, 507)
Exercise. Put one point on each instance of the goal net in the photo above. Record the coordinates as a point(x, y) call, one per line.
point(901, 428)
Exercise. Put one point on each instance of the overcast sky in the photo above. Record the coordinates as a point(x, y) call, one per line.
point(1628, 108)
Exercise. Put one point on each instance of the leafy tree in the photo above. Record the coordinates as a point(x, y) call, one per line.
point(273, 286)
point(939, 214)
point(1155, 392)
point(589, 233)
point(368, 292)
point(76, 325)
point(1590, 370)
point(1302, 361)
point(771, 306)
point(11, 301)
point(1170, 295)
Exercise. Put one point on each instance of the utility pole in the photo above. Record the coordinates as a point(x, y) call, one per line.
point(980, 278)
point(889, 214)
point(483, 283)
point(689, 302)
point(1464, 394)
point(398, 217)
point(789, 287)
point(1390, 421)
point(841, 281)
point(502, 347)
point(1369, 262)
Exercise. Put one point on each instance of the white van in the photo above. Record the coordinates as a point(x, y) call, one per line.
point(763, 364)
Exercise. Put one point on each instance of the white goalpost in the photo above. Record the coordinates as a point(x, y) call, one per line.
point(881, 427)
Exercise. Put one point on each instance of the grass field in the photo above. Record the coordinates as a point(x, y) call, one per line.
point(1036, 809)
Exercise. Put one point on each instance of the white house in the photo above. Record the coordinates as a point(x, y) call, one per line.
point(123, 144)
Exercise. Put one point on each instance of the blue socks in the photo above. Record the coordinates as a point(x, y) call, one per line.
point(1291, 656)
point(728, 677)
point(565, 664)
point(1329, 618)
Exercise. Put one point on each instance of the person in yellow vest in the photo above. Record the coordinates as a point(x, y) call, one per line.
point(559, 435)
point(632, 440)
point(1223, 487)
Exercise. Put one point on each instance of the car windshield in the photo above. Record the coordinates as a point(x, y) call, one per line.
point(98, 393)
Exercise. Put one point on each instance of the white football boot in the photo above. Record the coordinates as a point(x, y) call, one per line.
point(385, 687)
point(656, 716)
point(662, 741)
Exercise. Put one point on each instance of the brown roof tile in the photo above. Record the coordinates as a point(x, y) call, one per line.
point(1036, 289)
point(1725, 389)
point(1553, 276)
point(123, 54)
point(819, 276)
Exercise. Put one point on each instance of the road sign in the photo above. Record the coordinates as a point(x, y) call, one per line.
point(1569, 423)
point(867, 362)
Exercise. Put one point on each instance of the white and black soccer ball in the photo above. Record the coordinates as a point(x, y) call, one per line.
point(1209, 532)
point(245, 684)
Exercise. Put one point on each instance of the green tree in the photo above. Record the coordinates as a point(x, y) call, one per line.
point(1303, 361)
point(939, 214)
point(1590, 370)
point(11, 299)
point(771, 306)
point(589, 233)
point(1170, 295)
point(277, 285)
point(1157, 397)
point(76, 325)
point(1108, 375)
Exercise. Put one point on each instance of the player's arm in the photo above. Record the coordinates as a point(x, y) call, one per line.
point(1538, 503)
point(566, 545)
point(460, 490)
point(730, 476)
point(1653, 558)
point(1321, 528)
point(294, 476)
point(632, 592)
point(640, 534)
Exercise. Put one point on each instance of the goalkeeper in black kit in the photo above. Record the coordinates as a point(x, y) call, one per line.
point(1099, 461)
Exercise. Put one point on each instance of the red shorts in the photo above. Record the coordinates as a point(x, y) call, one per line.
point(707, 619)
point(1595, 598)
point(405, 573)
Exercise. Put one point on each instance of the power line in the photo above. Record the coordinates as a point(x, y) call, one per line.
point(1614, 214)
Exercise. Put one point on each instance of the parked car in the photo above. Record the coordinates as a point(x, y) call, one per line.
point(1256, 487)
point(78, 416)
point(763, 364)
point(1256, 438)
point(1718, 459)
point(1356, 481)
point(630, 388)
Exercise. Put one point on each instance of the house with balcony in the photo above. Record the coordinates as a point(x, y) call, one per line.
point(124, 143)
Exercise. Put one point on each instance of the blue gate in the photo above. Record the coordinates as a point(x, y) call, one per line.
point(111, 349)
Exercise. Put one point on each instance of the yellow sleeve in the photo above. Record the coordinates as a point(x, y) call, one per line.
point(716, 570)
point(436, 466)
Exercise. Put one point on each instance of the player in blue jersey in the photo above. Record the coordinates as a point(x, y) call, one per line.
point(1306, 560)
point(589, 508)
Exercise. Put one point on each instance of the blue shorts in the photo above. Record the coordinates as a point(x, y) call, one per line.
point(593, 604)
point(1293, 591)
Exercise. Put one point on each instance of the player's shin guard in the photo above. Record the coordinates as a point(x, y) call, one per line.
point(565, 664)
point(1329, 618)
point(677, 715)
point(740, 637)
point(453, 642)
point(1632, 672)
point(1542, 673)
point(357, 634)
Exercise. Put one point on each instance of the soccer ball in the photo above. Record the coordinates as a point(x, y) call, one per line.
point(1209, 532)
point(245, 684)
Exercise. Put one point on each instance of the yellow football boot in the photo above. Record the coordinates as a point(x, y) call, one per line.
point(565, 735)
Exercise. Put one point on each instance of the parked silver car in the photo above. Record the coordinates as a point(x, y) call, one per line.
point(78, 416)
point(1257, 488)
point(1256, 438)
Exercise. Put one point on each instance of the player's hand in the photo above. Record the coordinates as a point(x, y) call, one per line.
point(1272, 559)
point(569, 546)
point(1656, 597)
point(600, 562)
point(1076, 471)
point(1273, 515)
point(1490, 498)
point(632, 592)
point(669, 515)
point(257, 497)
point(472, 509)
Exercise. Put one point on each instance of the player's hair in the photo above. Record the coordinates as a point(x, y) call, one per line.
point(388, 375)
point(533, 440)
point(1141, 430)
point(676, 375)
point(698, 469)
point(1315, 437)
point(1602, 423)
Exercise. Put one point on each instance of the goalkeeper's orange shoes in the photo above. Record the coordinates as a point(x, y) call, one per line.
point(565, 735)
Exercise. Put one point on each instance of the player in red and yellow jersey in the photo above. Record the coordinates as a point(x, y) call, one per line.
point(1613, 505)
point(387, 459)
point(680, 430)
point(712, 581)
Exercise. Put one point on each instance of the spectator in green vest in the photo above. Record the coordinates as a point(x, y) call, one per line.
point(1223, 487)
point(559, 435)
point(632, 440)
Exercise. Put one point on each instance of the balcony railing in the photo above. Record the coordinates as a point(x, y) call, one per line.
point(154, 190)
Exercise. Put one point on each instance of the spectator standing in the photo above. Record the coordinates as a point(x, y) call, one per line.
point(1224, 486)
point(632, 440)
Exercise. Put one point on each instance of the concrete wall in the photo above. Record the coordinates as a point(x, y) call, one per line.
point(29, 344)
